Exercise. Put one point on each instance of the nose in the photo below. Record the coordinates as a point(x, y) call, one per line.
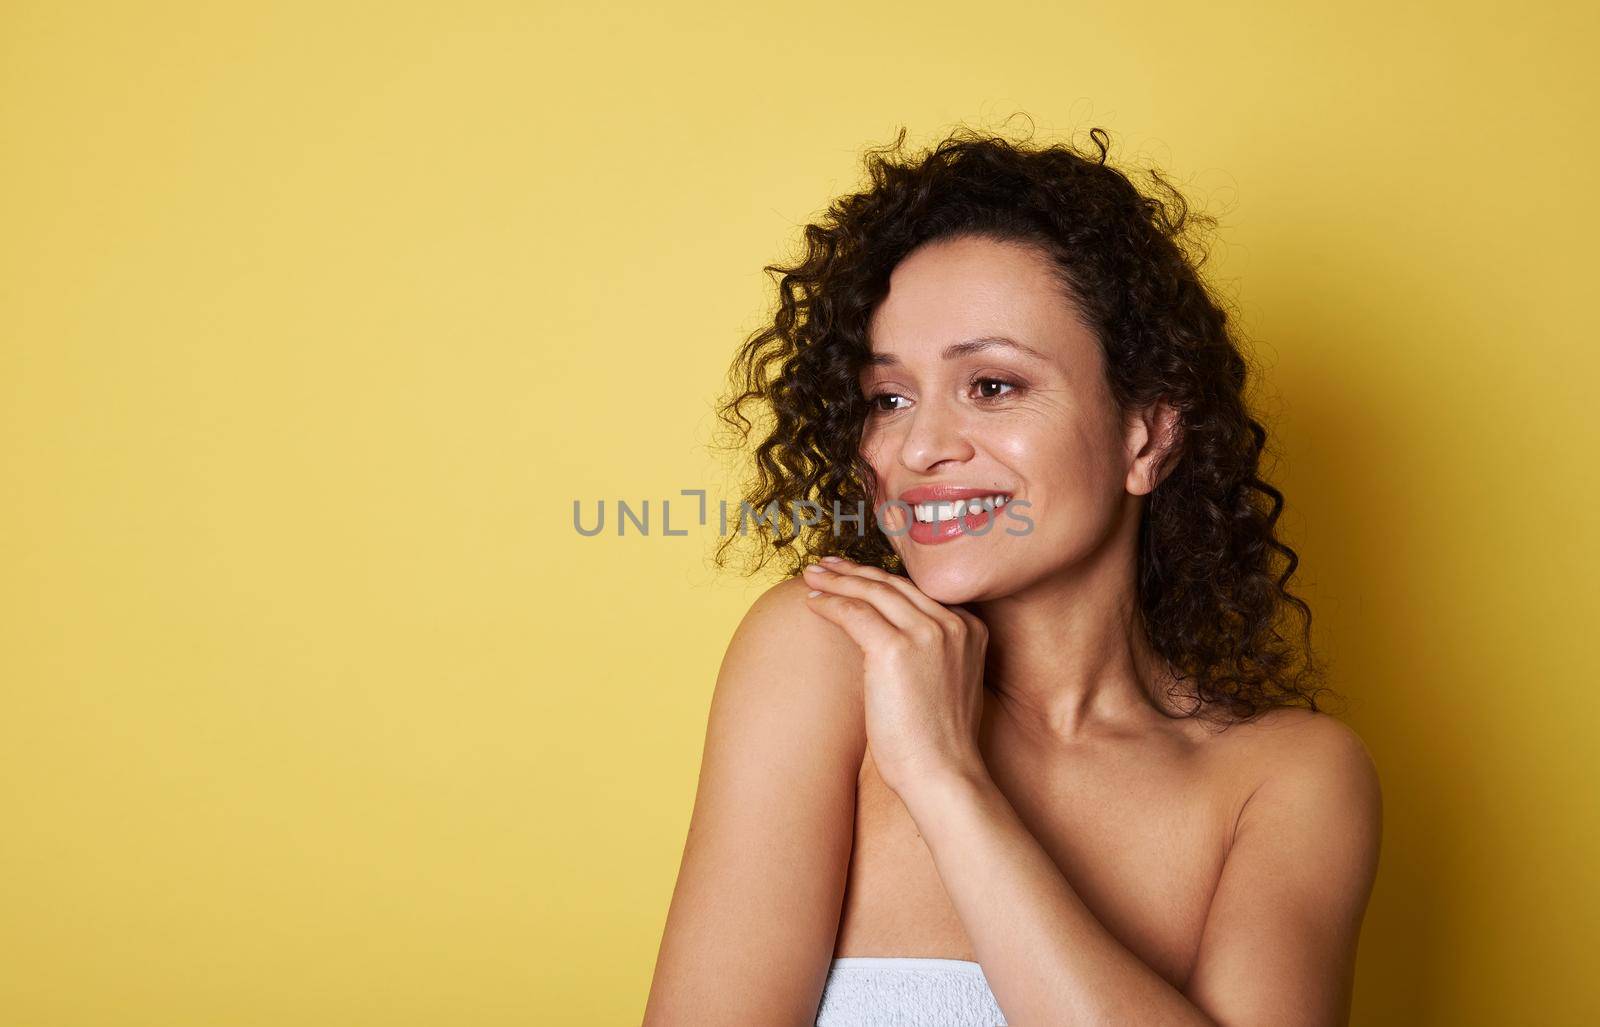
point(934, 435)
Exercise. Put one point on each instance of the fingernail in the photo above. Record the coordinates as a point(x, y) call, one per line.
point(812, 594)
point(832, 559)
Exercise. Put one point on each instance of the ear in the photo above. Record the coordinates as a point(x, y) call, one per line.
point(1155, 441)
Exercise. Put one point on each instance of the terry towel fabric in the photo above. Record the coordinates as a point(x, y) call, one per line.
point(907, 991)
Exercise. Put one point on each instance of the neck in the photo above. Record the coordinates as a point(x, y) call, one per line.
point(1068, 656)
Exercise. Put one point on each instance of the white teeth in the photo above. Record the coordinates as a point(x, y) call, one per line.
point(950, 510)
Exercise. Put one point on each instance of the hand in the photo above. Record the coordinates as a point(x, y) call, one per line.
point(923, 664)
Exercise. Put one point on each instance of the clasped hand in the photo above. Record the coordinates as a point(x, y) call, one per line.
point(923, 670)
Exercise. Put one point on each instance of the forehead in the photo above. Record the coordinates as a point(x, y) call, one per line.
point(951, 291)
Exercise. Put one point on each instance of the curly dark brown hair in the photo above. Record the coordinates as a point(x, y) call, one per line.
point(1212, 575)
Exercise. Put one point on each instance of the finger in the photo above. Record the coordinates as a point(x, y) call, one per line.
point(855, 617)
point(889, 601)
point(932, 607)
point(974, 623)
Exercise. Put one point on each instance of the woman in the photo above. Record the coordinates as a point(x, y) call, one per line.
point(1026, 745)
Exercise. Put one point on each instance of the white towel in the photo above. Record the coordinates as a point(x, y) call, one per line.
point(907, 991)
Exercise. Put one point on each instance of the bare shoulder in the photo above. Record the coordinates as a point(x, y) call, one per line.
point(1300, 742)
point(790, 683)
point(761, 884)
point(784, 609)
point(782, 646)
point(1281, 935)
point(1306, 759)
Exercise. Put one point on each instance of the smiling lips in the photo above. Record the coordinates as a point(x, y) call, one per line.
point(945, 512)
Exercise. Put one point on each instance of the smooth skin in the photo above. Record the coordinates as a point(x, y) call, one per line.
point(978, 760)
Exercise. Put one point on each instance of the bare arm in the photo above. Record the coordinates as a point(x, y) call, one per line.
point(753, 919)
point(1280, 937)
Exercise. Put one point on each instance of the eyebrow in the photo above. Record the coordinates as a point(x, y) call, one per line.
point(962, 349)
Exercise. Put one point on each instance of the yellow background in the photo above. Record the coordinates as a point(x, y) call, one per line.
point(316, 318)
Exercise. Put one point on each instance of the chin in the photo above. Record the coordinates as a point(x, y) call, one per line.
point(952, 582)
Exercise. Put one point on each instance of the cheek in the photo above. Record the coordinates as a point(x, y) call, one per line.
point(1071, 480)
point(875, 452)
point(1054, 459)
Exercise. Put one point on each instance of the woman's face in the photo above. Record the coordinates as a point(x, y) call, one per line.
point(992, 419)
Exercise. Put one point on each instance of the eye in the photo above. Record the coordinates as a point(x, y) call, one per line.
point(981, 383)
point(876, 402)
